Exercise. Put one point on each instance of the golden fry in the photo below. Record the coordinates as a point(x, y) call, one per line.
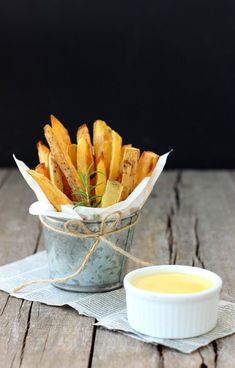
point(61, 133)
point(112, 193)
point(54, 195)
point(101, 177)
point(102, 174)
point(124, 147)
point(116, 156)
point(84, 156)
point(72, 151)
point(66, 187)
point(107, 148)
point(98, 138)
point(43, 153)
point(85, 159)
point(82, 130)
point(55, 173)
point(102, 141)
point(42, 169)
point(64, 161)
point(146, 165)
point(129, 167)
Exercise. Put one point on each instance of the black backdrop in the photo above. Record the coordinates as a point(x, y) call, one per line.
point(160, 72)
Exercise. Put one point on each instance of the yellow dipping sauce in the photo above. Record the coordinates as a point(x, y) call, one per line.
point(172, 282)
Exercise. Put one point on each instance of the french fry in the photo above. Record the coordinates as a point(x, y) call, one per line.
point(85, 159)
point(101, 177)
point(102, 174)
point(64, 161)
point(112, 193)
point(84, 156)
point(107, 148)
point(116, 156)
point(54, 195)
point(61, 133)
point(82, 130)
point(55, 173)
point(102, 141)
point(72, 151)
point(146, 165)
point(129, 167)
point(66, 187)
point(99, 127)
point(43, 153)
point(124, 147)
point(42, 169)
point(122, 154)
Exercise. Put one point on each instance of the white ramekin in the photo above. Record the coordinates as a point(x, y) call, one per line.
point(172, 315)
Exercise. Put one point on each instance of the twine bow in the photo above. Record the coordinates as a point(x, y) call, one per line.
point(69, 229)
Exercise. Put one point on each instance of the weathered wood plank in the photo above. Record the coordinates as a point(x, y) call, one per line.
point(4, 173)
point(183, 222)
point(34, 335)
point(151, 241)
point(57, 337)
point(18, 238)
point(115, 350)
point(212, 194)
point(19, 231)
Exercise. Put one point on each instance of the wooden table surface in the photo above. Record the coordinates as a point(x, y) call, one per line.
point(189, 219)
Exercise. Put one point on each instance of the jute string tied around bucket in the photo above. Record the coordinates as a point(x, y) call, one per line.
point(97, 236)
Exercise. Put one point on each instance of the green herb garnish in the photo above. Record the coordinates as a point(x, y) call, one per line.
point(86, 192)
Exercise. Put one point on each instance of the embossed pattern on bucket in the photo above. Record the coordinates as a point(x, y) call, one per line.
point(105, 268)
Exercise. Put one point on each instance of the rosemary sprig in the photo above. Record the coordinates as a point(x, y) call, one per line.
point(86, 192)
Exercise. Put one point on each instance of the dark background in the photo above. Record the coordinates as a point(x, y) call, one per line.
point(161, 73)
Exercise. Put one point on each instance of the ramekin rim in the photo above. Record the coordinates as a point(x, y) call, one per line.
point(172, 296)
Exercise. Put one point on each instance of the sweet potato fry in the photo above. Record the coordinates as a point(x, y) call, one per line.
point(42, 169)
point(102, 141)
point(64, 161)
point(55, 173)
point(61, 133)
point(116, 156)
point(146, 165)
point(112, 193)
point(72, 151)
point(101, 177)
point(129, 166)
point(54, 195)
point(43, 153)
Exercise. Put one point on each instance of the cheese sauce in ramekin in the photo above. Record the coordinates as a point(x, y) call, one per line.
point(172, 301)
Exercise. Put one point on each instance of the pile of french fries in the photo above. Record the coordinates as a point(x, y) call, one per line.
point(96, 175)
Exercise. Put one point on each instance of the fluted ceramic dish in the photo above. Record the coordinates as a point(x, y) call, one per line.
point(171, 315)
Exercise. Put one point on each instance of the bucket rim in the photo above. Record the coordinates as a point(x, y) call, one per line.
point(63, 220)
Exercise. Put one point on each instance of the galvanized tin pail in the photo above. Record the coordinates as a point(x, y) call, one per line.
point(104, 270)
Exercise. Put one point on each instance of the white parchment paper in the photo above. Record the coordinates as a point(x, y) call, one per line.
point(108, 308)
point(134, 202)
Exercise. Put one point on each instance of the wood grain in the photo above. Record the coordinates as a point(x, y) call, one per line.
point(189, 219)
point(34, 335)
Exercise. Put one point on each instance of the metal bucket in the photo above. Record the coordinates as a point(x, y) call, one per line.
point(104, 270)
